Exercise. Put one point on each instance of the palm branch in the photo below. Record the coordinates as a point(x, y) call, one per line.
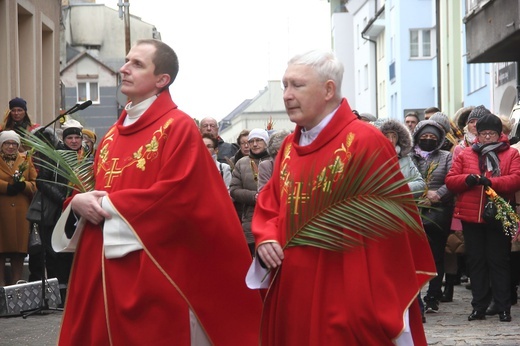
point(77, 171)
point(370, 205)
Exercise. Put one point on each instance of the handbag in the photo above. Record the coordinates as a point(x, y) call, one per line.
point(490, 212)
point(435, 216)
point(35, 212)
point(35, 241)
point(455, 243)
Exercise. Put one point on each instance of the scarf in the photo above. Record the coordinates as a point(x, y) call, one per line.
point(487, 156)
point(9, 159)
point(259, 156)
point(422, 153)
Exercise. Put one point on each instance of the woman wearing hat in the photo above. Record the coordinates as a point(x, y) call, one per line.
point(434, 164)
point(16, 118)
point(17, 185)
point(488, 162)
point(244, 183)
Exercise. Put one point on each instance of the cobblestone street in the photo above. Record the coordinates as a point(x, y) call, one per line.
point(450, 326)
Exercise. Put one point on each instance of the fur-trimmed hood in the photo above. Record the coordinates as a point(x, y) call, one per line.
point(421, 125)
point(461, 117)
point(404, 138)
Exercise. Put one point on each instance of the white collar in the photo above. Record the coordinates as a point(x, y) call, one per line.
point(135, 112)
point(307, 137)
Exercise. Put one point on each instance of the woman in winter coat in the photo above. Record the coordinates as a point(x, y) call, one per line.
point(244, 182)
point(488, 162)
point(17, 186)
point(434, 164)
point(400, 137)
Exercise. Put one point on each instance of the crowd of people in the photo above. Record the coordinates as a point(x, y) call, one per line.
point(178, 217)
point(22, 176)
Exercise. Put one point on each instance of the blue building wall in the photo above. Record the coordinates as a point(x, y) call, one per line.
point(481, 96)
point(415, 84)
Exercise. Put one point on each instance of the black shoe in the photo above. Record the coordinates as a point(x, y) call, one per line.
point(492, 309)
point(431, 306)
point(447, 295)
point(504, 316)
point(477, 315)
point(464, 278)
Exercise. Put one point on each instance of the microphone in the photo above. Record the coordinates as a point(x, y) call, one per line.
point(77, 107)
point(84, 105)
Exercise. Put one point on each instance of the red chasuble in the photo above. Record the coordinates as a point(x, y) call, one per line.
point(322, 297)
point(162, 181)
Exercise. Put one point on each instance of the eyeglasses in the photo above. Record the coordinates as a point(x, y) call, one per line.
point(244, 144)
point(488, 134)
point(255, 140)
point(10, 144)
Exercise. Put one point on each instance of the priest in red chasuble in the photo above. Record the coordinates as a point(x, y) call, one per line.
point(162, 257)
point(337, 181)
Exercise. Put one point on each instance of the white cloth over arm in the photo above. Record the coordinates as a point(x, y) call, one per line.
point(118, 237)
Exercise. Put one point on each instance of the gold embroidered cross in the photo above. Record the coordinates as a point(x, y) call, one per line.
point(298, 197)
point(113, 172)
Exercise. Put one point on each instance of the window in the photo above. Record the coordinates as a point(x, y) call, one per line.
point(391, 72)
point(477, 77)
point(422, 43)
point(88, 91)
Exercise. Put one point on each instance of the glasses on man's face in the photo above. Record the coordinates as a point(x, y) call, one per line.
point(10, 144)
point(489, 134)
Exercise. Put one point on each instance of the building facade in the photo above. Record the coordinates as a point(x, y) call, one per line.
point(92, 51)
point(29, 56)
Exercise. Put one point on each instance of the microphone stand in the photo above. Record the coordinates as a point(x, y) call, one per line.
point(74, 109)
point(44, 304)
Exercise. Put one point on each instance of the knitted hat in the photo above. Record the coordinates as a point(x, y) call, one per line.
point(430, 129)
point(443, 120)
point(90, 134)
point(489, 122)
point(18, 102)
point(9, 135)
point(477, 113)
point(72, 127)
point(259, 133)
point(367, 117)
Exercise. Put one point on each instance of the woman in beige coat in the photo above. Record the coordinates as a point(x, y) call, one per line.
point(17, 186)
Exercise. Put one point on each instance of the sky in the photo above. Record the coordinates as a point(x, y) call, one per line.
point(229, 49)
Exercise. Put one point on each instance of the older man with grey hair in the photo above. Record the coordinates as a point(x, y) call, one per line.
point(225, 150)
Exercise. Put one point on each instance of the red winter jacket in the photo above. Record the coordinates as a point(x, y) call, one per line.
point(471, 200)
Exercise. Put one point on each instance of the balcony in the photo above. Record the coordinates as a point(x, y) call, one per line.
point(493, 31)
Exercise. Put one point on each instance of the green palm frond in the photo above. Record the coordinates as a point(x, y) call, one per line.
point(78, 172)
point(368, 204)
